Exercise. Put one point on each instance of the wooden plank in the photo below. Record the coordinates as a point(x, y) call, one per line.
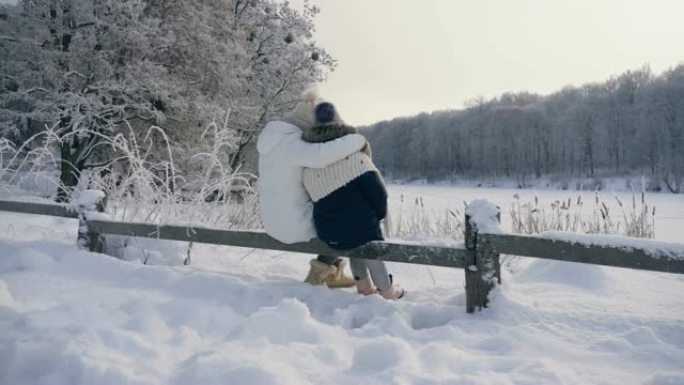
point(415, 253)
point(628, 256)
point(55, 210)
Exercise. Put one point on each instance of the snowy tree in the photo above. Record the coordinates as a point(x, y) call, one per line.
point(282, 62)
point(84, 66)
point(90, 65)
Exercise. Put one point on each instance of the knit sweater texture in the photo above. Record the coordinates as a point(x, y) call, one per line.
point(321, 182)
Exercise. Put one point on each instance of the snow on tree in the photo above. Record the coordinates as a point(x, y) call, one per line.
point(88, 66)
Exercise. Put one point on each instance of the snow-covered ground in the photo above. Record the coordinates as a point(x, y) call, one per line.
point(238, 316)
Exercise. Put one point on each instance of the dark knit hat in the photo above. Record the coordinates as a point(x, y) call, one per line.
point(324, 113)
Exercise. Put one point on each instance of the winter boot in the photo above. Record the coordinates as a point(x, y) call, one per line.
point(319, 272)
point(364, 286)
point(339, 280)
point(393, 291)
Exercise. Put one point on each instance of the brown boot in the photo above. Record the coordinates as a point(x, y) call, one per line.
point(319, 272)
point(364, 286)
point(339, 280)
point(394, 291)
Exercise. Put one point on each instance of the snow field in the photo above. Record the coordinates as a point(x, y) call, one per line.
point(243, 317)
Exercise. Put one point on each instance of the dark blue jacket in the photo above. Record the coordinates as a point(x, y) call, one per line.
point(350, 216)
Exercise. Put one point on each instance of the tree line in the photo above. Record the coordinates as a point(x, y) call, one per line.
point(632, 124)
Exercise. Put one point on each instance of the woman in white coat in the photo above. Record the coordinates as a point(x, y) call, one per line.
point(285, 207)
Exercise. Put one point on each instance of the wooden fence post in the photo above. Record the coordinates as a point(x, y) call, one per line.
point(484, 269)
point(90, 203)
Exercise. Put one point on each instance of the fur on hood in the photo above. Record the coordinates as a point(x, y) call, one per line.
point(332, 131)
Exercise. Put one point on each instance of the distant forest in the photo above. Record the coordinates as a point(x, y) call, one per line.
point(632, 124)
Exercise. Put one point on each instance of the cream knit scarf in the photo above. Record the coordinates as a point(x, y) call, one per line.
point(320, 182)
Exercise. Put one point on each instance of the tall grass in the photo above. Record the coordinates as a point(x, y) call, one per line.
point(415, 221)
point(638, 220)
point(568, 215)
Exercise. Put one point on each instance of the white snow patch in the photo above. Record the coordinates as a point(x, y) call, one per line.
point(381, 354)
point(483, 214)
point(240, 316)
point(149, 251)
point(577, 275)
point(89, 198)
point(287, 322)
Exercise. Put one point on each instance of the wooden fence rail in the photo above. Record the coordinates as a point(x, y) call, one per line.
point(648, 255)
point(478, 256)
point(449, 256)
point(54, 210)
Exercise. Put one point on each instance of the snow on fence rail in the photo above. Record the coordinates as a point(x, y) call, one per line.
point(479, 256)
point(594, 249)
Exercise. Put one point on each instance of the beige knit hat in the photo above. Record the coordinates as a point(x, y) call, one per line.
point(302, 115)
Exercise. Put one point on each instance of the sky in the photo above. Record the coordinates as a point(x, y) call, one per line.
point(403, 57)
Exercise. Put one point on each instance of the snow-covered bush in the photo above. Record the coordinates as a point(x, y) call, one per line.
point(142, 186)
point(88, 66)
point(29, 166)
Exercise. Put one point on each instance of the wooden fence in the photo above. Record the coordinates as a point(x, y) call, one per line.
point(478, 256)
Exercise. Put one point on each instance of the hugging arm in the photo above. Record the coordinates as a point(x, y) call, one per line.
point(319, 155)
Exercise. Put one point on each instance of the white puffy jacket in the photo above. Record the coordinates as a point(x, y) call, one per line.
point(286, 209)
